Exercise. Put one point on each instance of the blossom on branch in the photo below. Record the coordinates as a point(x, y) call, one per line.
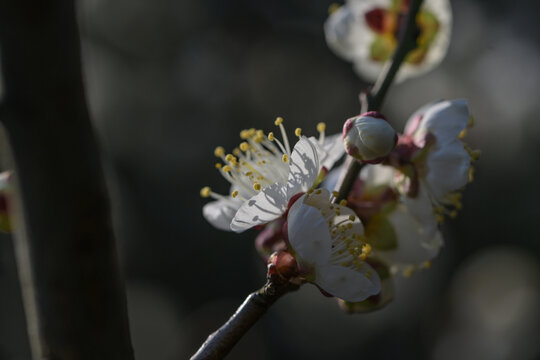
point(431, 157)
point(265, 174)
point(366, 33)
point(328, 242)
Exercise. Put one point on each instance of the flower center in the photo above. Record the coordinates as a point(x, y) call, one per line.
point(388, 23)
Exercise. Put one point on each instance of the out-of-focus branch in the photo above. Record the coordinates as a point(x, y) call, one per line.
point(220, 343)
point(373, 100)
point(70, 252)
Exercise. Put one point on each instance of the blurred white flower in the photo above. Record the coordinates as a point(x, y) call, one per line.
point(265, 174)
point(368, 137)
point(365, 32)
point(327, 241)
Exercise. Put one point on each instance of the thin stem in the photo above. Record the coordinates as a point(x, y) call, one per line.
point(220, 343)
point(373, 100)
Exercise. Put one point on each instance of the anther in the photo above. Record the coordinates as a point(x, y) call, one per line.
point(343, 202)
point(205, 191)
point(257, 187)
point(279, 121)
point(218, 165)
point(227, 168)
point(244, 146)
point(321, 127)
point(298, 132)
point(219, 151)
point(234, 193)
point(285, 158)
point(271, 136)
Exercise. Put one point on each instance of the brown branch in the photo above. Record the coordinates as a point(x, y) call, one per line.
point(69, 251)
point(220, 343)
point(373, 100)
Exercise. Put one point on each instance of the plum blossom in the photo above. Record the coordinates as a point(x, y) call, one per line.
point(265, 174)
point(328, 242)
point(365, 32)
point(432, 158)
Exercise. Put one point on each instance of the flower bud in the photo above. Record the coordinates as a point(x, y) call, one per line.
point(368, 137)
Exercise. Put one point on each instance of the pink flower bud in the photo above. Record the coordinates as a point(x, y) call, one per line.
point(368, 137)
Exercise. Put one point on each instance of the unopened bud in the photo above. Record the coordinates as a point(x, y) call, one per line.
point(368, 137)
point(283, 264)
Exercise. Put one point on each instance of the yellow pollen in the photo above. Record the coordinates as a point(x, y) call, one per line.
point(244, 134)
point(335, 193)
point(471, 121)
point(310, 190)
point(343, 202)
point(318, 191)
point(471, 174)
point(352, 217)
point(205, 191)
point(218, 166)
point(285, 158)
point(427, 264)
point(366, 249)
point(271, 136)
point(321, 127)
point(236, 151)
point(257, 187)
point(244, 146)
point(219, 151)
point(333, 8)
point(234, 193)
point(279, 121)
point(298, 132)
point(462, 134)
point(227, 168)
point(363, 256)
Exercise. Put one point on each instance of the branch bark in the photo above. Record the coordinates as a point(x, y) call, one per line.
point(220, 343)
point(78, 294)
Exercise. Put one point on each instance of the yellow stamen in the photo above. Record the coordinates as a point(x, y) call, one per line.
point(462, 134)
point(335, 193)
point(343, 202)
point(321, 127)
point(298, 132)
point(244, 146)
point(257, 187)
point(285, 158)
point(227, 168)
point(234, 193)
point(279, 121)
point(352, 217)
point(219, 151)
point(205, 191)
point(218, 166)
point(271, 136)
point(427, 264)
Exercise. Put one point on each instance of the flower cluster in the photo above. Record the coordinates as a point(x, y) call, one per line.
point(388, 224)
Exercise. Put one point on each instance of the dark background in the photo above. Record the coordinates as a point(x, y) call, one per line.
point(169, 80)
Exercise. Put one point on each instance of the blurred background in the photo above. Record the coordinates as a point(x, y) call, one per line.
point(168, 80)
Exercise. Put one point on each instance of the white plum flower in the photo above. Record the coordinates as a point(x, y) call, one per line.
point(366, 33)
point(368, 137)
point(432, 156)
point(328, 243)
point(402, 231)
point(265, 174)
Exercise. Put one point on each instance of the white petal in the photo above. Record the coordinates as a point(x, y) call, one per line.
point(445, 120)
point(220, 213)
point(348, 284)
point(375, 175)
point(333, 150)
point(308, 232)
point(340, 30)
point(448, 169)
point(415, 239)
point(304, 167)
point(267, 205)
